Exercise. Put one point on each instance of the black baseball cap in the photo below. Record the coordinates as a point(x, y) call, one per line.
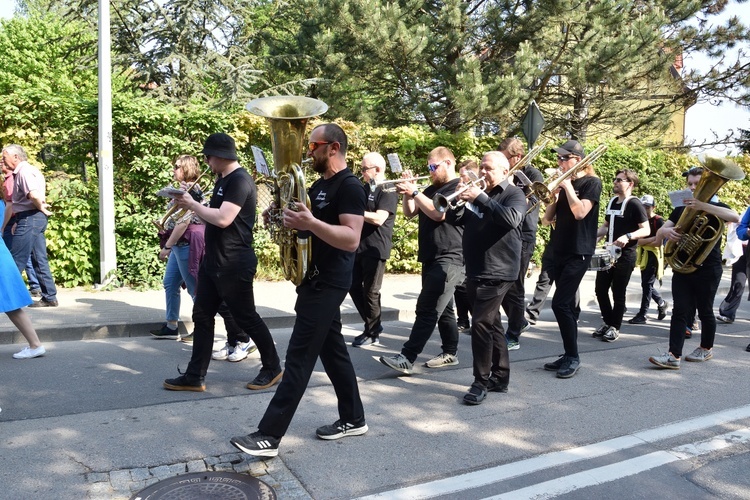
point(570, 148)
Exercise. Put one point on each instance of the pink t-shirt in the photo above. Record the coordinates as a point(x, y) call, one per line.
point(26, 178)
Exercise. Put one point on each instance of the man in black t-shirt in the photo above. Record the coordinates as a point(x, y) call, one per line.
point(625, 222)
point(442, 266)
point(228, 268)
point(575, 212)
point(374, 249)
point(515, 299)
point(335, 225)
point(696, 289)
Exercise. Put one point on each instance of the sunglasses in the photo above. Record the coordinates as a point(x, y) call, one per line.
point(563, 158)
point(314, 145)
point(434, 166)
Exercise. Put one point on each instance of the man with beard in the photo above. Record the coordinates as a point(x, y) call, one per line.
point(335, 225)
point(625, 221)
point(442, 266)
point(492, 227)
point(228, 268)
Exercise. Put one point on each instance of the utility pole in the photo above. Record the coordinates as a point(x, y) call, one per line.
point(107, 248)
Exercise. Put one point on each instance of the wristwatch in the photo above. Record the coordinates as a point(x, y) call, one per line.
point(629, 236)
point(415, 193)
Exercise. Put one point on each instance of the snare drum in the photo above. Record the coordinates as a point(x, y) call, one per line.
point(601, 260)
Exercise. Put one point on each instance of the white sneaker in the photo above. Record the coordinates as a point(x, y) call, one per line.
point(223, 353)
point(241, 350)
point(29, 353)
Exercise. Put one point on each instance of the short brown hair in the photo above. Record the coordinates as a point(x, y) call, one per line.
point(512, 145)
point(629, 175)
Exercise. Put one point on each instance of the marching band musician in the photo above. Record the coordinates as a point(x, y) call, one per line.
point(515, 300)
point(575, 210)
point(442, 266)
point(625, 221)
point(696, 289)
point(374, 249)
point(492, 228)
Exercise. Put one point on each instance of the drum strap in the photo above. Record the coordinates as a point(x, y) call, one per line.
point(614, 213)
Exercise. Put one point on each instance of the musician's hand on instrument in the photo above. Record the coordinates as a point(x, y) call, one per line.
point(301, 218)
point(470, 194)
point(566, 184)
point(694, 204)
point(406, 174)
point(184, 200)
point(406, 188)
point(671, 233)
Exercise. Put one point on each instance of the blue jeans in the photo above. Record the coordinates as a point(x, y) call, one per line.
point(29, 242)
point(8, 239)
point(176, 273)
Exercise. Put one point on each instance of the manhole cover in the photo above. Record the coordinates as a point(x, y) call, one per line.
point(207, 485)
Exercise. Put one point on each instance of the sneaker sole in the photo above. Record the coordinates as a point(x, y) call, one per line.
point(273, 382)
point(473, 402)
point(442, 365)
point(514, 348)
point(192, 388)
point(405, 371)
point(662, 365)
point(176, 336)
point(568, 375)
point(354, 432)
point(219, 358)
point(696, 360)
point(235, 360)
point(256, 453)
point(366, 343)
point(608, 339)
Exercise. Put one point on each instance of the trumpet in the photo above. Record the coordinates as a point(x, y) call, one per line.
point(390, 186)
point(443, 203)
point(175, 214)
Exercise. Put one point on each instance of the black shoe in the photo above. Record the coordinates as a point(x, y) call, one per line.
point(44, 303)
point(662, 310)
point(569, 367)
point(166, 333)
point(341, 429)
point(638, 319)
point(36, 292)
point(599, 332)
point(477, 393)
point(555, 365)
point(496, 385)
point(748, 348)
point(688, 332)
point(257, 444)
point(183, 383)
point(265, 379)
point(365, 338)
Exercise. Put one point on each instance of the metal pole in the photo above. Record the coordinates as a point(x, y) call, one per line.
point(107, 249)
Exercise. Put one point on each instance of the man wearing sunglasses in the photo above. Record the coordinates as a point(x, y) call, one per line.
point(442, 266)
point(625, 221)
point(334, 223)
point(374, 249)
point(575, 212)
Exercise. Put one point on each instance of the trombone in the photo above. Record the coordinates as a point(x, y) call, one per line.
point(526, 160)
point(443, 203)
point(174, 213)
point(390, 186)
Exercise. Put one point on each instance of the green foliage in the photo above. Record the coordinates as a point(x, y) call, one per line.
point(405, 247)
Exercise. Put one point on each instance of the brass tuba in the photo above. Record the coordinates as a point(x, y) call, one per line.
point(287, 117)
point(699, 229)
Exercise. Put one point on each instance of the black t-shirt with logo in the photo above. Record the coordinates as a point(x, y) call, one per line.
point(626, 223)
point(231, 248)
point(714, 257)
point(329, 198)
point(438, 240)
point(578, 237)
point(377, 241)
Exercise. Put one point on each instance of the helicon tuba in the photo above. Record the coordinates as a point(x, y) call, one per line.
point(699, 229)
point(287, 117)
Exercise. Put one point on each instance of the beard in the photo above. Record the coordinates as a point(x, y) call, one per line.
point(320, 165)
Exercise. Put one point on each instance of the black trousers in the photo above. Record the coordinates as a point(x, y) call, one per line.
point(568, 272)
point(234, 288)
point(463, 306)
point(693, 291)
point(435, 306)
point(616, 278)
point(732, 301)
point(515, 300)
point(488, 344)
point(648, 279)
point(316, 333)
point(367, 278)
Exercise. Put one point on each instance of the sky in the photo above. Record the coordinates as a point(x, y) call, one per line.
point(702, 120)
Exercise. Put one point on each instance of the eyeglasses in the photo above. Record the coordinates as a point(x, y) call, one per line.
point(315, 144)
point(617, 179)
point(563, 158)
point(434, 166)
point(365, 169)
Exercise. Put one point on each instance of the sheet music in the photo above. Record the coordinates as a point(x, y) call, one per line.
point(261, 165)
point(394, 162)
point(170, 192)
point(677, 197)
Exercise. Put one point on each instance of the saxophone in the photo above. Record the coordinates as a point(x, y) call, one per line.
point(699, 229)
point(287, 116)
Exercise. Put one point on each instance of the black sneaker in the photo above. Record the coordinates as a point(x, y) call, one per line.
point(662, 310)
point(37, 292)
point(569, 367)
point(477, 393)
point(341, 429)
point(638, 319)
point(365, 338)
point(44, 303)
point(166, 333)
point(183, 383)
point(555, 365)
point(265, 379)
point(599, 332)
point(496, 385)
point(257, 444)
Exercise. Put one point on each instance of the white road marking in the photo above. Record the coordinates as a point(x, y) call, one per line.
point(484, 477)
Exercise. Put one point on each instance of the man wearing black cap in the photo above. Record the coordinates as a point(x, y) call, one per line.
point(228, 268)
point(575, 212)
point(335, 224)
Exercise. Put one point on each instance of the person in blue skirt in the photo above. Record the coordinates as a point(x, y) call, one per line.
point(14, 296)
